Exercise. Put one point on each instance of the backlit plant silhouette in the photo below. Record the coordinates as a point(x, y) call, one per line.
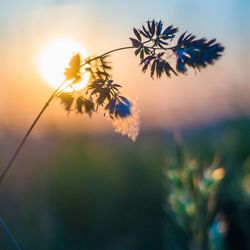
point(154, 45)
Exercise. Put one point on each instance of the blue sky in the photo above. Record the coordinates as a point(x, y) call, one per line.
point(225, 16)
point(217, 92)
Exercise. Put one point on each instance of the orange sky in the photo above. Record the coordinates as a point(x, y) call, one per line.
point(219, 91)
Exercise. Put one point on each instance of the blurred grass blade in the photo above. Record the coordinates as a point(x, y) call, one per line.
point(9, 233)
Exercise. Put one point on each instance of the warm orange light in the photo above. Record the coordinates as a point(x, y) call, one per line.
point(218, 174)
point(55, 57)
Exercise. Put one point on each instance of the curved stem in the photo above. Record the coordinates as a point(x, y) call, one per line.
point(8, 166)
point(106, 53)
point(6, 169)
point(122, 48)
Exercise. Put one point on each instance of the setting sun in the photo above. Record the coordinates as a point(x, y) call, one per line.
point(54, 58)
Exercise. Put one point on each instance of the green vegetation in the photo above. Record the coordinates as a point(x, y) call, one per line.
point(105, 192)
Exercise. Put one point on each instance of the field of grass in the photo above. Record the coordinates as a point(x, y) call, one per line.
point(105, 192)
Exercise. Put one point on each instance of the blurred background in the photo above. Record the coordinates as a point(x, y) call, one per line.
point(77, 184)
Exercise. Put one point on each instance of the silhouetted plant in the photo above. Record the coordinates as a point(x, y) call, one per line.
point(153, 45)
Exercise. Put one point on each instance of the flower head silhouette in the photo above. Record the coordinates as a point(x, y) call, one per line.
point(153, 44)
point(73, 72)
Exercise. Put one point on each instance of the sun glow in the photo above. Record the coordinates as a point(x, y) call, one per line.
point(55, 57)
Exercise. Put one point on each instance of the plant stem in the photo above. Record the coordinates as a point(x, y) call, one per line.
point(6, 169)
point(122, 48)
point(10, 235)
point(106, 53)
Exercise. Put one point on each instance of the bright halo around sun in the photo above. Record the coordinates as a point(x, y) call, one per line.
point(55, 57)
